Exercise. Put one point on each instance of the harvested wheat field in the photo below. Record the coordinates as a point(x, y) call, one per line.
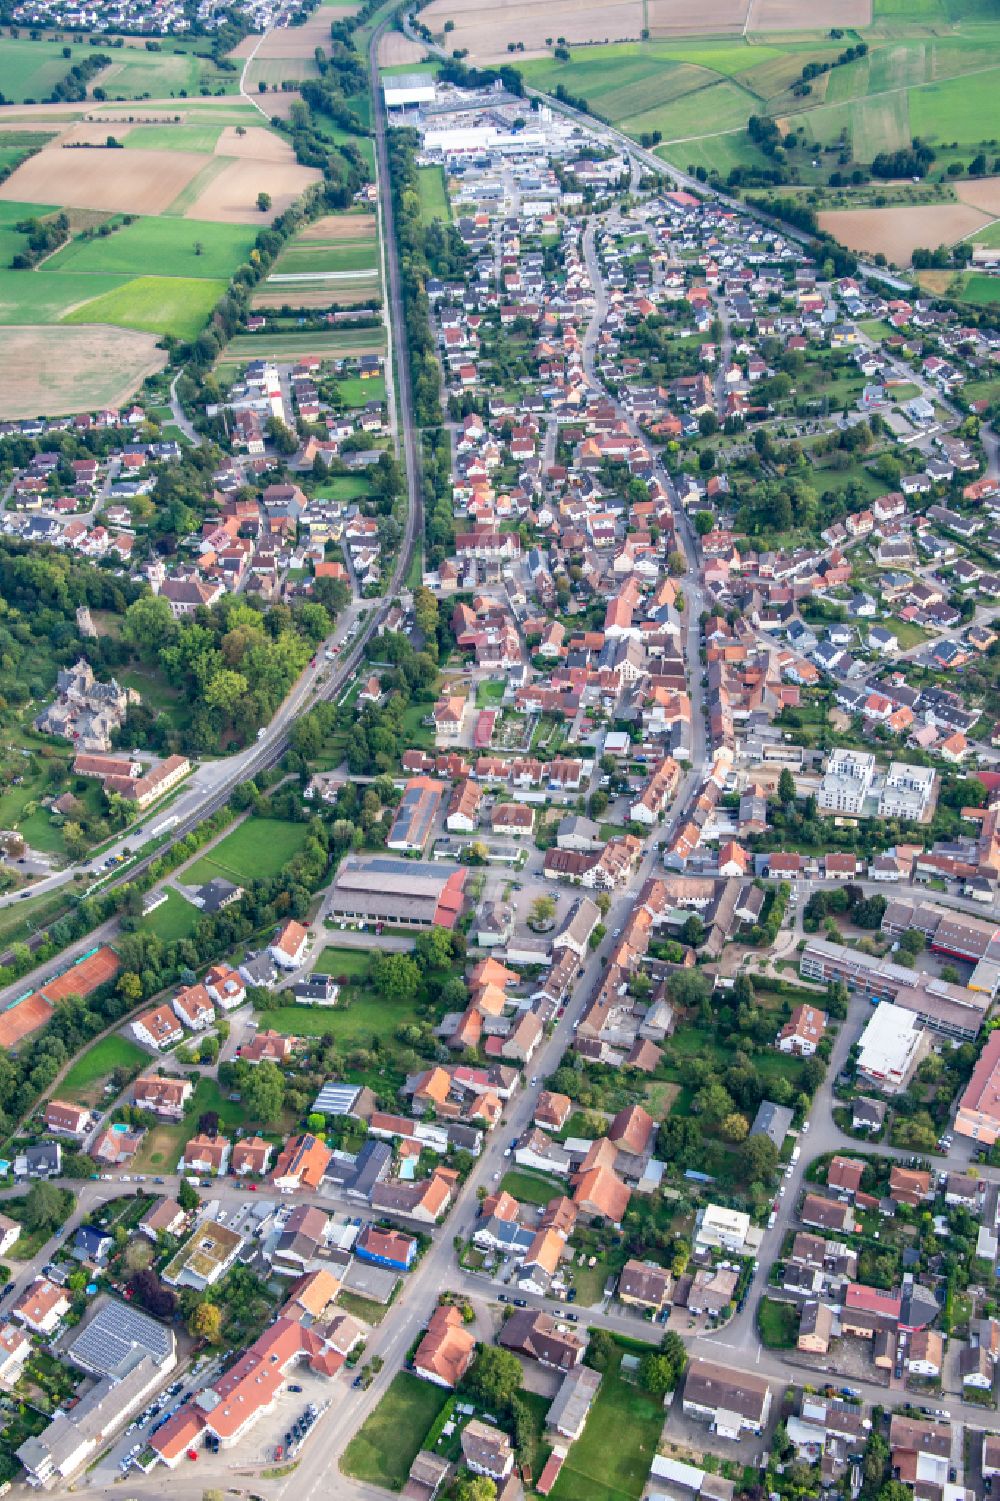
point(302, 41)
point(52, 371)
point(897, 232)
point(244, 47)
point(122, 182)
point(487, 27)
point(713, 17)
point(231, 197)
point(331, 229)
point(983, 194)
point(787, 15)
point(279, 105)
point(257, 143)
point(395, 50)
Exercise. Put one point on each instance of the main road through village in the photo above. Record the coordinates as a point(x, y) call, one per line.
point(317, 1474)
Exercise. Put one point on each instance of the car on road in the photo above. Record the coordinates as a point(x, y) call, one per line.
point(295, 1388)
point(503, 1298)
point(520, 1302)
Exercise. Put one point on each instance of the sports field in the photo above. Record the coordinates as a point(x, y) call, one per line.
point(259, 847)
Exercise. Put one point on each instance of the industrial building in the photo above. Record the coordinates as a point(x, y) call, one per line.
point(409, 89)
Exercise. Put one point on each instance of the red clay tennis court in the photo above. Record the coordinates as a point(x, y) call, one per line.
point(85, 977)
point(23, 1017)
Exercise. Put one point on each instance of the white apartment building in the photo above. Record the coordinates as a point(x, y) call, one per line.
point(846, 782)
point(907, 791)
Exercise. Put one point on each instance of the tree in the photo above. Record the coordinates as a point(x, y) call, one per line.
point(263, 1091)
point(149, 1292)
point(688, 988)
point(187, 1194)
point(600, 1350)
point(656, 1375)
point(480, 1487)
point(434, 949)
point(45, 1207)
point(263, 202)
point(206, 1323)
point(395, 976)
point(734, 1127)
point(704, 521)
point(786, 786)
point(672, 1349)
point(758, 1158)
point(495, 1377)
point(543, 911)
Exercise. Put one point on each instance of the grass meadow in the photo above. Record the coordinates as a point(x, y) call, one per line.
point(259, 847)
point(154, 304)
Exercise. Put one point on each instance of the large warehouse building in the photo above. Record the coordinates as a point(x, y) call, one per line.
point(403, 893)
point(408, 89)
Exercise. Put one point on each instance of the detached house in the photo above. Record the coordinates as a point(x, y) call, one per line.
point(158, 1028)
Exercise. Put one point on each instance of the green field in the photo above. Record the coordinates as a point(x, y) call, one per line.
point(172, 137)
point(385, 1446)
point(155, 304)
point(274, 71)
point(29, 71)
point(941, 86)
point(93, 1067)
point(159, 247)
point(306, 258)
point(434, 202)
point(135, 74)
point(610, 1460)
point(350, 962)
point(260, 847)
point(173, 919)
point(37, 297)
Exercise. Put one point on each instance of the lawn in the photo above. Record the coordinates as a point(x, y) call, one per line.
point(384, 1448)
point(529, 1187)
point(907, 633)
point(92, 1068)
point(154, 304)
point(610, 1460)
point(258, 847)
point(355, 392)
point(350, 962)
point(343, 486)
point(160, 247)
point(778, 1324)
point(359, 1016)
point(365, 1309)
point(434, 202)
point(175, 918)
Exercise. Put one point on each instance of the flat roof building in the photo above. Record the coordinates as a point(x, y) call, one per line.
point(890, 1047)
point(409, 88)
point(952, 1010)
